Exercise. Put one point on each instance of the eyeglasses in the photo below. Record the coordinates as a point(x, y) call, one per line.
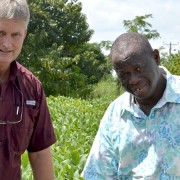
point(18, 111)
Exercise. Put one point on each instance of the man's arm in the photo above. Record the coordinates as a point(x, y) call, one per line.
point(41, 163)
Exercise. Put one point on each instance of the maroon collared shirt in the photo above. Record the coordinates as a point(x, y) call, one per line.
point(25, 122)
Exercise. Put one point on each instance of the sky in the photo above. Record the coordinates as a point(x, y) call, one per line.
point(106, 17)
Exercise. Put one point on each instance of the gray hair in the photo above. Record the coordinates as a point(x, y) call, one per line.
point(15, 9)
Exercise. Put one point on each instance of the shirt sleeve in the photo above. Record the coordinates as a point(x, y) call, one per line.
point(102, 162)
point(43, 134)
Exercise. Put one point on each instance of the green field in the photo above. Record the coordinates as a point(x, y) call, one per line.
point(76, 122)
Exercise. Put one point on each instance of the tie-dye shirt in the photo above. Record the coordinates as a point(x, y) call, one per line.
point(131, 145)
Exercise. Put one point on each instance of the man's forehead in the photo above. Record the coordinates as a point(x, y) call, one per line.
point(133, 59)
point(11, 25)
point(124, 56)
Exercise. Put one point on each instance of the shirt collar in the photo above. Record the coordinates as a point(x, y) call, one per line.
point(13, 71)
point(172, 90)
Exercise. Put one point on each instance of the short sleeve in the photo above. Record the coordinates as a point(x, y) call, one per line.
point(43, 135)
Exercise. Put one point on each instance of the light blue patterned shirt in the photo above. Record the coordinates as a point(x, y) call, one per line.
point(131, 145)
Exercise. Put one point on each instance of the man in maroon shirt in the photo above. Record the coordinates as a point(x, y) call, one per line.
point(25, 122)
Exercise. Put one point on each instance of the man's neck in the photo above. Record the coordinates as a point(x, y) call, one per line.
point(148, 104)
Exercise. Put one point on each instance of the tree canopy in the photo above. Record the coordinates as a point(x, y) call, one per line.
point(56, 48)
point(140, 25)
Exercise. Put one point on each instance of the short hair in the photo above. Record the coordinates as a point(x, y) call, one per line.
point(138, 41)
point(15, 9)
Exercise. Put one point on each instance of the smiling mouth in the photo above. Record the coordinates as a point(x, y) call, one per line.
point(138, 90)
point(5, 52)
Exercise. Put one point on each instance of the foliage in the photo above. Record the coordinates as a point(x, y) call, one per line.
point(93, 62)
point(140, 25)
point(76, 122)
point(172, 63)
point(106, 45)
point(109, 85)
point(56, 48)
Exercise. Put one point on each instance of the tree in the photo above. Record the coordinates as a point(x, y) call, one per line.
point(56, 32)
point(93, 62)
point(90, 68)
point(140, 25)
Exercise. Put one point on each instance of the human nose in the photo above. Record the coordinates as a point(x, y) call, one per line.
point(134, 78)
point(7, 41)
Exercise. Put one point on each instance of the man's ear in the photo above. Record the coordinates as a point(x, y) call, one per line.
point(156, 56)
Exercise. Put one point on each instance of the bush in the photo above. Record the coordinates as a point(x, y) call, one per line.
point(108, 86)
point(172, 63)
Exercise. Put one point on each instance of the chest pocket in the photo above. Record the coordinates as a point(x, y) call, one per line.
point(22, 132)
